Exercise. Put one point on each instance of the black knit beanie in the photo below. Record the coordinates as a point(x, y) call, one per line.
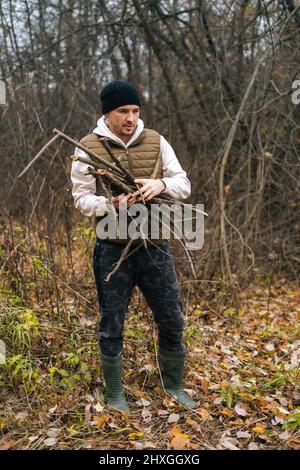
point(118, 93)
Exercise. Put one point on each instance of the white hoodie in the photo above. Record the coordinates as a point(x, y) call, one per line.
point(84, 185)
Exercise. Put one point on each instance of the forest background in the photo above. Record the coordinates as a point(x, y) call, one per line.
point(219, 80)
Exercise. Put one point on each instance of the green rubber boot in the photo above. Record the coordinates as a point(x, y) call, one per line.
point(112, 371)
point(172, 368)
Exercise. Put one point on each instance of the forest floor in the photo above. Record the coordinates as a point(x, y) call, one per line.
point(242, 368)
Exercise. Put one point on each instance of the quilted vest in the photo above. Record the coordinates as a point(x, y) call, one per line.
point(142, 158)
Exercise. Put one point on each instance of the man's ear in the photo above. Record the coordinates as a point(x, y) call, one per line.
point(106, 118)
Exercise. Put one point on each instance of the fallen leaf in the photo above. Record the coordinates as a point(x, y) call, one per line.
point(197, 312)
point(137, 445)
point(204, 414)
point(89, 397)
point(194, 446)
point(229, 443)
point(138, 393)
point(283, 410)
point(33, 438)
point(243, 434)
point(259, 429)
point(227, 412)
point(112, 425)
point(51, 441)
point(73, 431)
point(205, 384)
point(238, 422)
point(294, 443)
point(190, 392)
point(240, 409)
point(143, 402)
point(53, 432)
point(180, 441)
point(284, 435)
point(2, 423)
point(101, 420)
point(146, 415)
point(134, 435)
point(137, 425)
point(52, 410)
point(276, 421)
point(175, 430)
point(21, 416)
point(192, 423)
point(253, 446)
point(218, 401)
point(283, 401)
point(173, 418)
point(98, 407)
point(149, 368)
point(162, 412)
point(149, 445)
point(6, 445)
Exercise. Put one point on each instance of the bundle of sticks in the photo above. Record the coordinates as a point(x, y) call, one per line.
point(110, 175)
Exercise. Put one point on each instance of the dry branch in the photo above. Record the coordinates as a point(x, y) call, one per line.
point(38, 156)
point(95, 157)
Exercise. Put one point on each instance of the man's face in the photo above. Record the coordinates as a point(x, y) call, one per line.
point(123, 120)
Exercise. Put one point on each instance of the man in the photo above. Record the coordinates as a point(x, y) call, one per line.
point(152, 161)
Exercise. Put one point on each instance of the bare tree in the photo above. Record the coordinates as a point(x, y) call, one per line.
point(215, 78)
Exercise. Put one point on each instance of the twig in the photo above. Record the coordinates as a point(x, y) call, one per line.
point(104, 188)
point(228, 146)
point(128, 174)
point(88, 161)
point(117, 161)
point(110, 178)
point(122, 186)
point(121, 259)
point(37, 156)
point(92, 154)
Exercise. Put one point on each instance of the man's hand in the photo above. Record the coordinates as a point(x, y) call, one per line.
point(150, 189)
point(124, 200)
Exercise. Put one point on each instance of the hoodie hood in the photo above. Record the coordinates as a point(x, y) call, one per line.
point(104, 131)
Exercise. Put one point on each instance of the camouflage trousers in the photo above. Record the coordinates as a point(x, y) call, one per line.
point(152, 270)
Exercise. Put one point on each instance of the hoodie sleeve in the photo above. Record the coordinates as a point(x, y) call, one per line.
point(84, 189)
point(174, 177)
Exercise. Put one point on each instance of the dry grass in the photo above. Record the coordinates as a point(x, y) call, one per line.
point(243, 362)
